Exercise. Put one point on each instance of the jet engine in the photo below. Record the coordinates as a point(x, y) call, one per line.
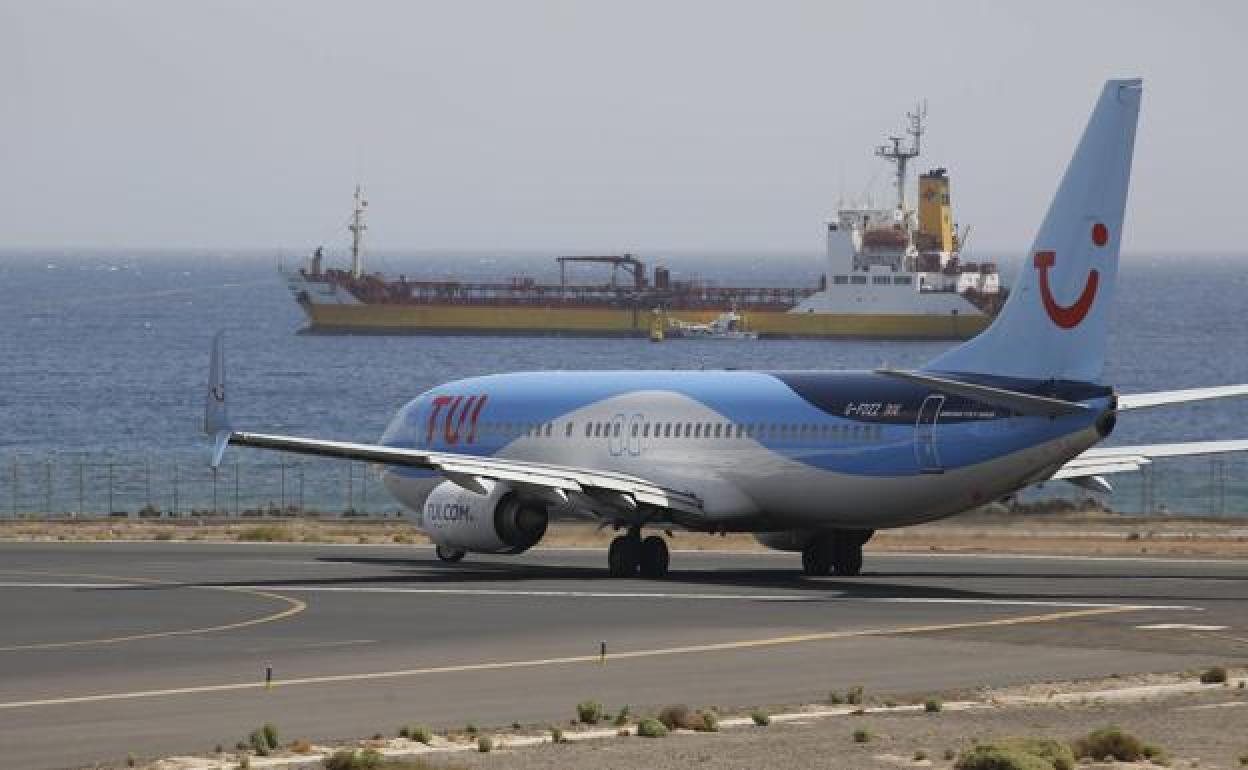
point(787, 540)
point(499, 521)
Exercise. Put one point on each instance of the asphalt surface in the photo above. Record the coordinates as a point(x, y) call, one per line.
point(161, 648)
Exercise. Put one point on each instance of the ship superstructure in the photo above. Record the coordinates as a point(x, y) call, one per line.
point(892, 272)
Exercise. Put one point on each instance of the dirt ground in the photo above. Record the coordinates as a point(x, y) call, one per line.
point(1207, 731)
point(1198, 727)
point(1070, 532)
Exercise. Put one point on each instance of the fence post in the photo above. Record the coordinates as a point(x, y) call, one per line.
point(282, 464)
point(82, 492)
point(147, 481)
point(301, 487)
point(110, 487)
point(214, 490)
point(47, 486)
point(350, 479)
point(237, 510)
point(15, 483)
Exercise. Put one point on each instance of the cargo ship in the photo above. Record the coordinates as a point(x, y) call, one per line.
point(894, 272)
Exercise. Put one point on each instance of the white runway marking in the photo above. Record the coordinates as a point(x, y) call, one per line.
point(1180, 627)
point(67, 585)
point(720, 597)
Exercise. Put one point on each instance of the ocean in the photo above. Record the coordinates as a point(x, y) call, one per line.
point(104, 358)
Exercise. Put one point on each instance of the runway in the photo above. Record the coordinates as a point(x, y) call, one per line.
point(161, 648)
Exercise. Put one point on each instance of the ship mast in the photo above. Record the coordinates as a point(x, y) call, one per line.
point(901, 155)
point(357, 228)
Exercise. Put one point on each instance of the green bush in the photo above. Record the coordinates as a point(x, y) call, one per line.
point(761, 718)
point(995, 757)
point(244, 762)
point(709, 722)
point(920, 755)
point(556, 735)
point(862, 735)
point(1214, 675)
point(348, 759)
point(485, 744)
point(1112, 742)
point(835, 698)
point(679, 717)
point(259, 743)
point(470, 729)
point(933, 705)
point(855, 696)
point(270, 735)
point(421, 733)
point(1018, 754)
point(621, 718)
point(651, 728)
point(589, 712)
point(405, 732)
point(267, 533)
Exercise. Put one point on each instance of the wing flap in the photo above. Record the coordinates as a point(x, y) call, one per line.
point(1125, 459)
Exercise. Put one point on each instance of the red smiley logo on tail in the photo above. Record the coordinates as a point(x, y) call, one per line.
point(1069, 316)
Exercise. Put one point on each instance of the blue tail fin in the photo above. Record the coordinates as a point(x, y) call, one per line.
point(1055, 323)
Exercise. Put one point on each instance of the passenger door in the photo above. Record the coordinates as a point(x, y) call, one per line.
point(926, 453)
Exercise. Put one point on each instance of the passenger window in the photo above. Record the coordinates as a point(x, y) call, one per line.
point(589, 429)
point(636, 429)
point(718, 428)
point(697, 430)
point(568, 430)
point(740, 430)
point(667, 430)
point(645, 431)
point(615, 430)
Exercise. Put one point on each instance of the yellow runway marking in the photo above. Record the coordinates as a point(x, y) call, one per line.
point(295, 606)
point(574, 659)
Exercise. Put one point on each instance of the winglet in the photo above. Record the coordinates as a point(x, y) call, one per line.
point(216, 416)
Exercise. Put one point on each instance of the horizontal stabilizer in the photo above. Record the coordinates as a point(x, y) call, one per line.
point(1168, 397)
point(1023, 403)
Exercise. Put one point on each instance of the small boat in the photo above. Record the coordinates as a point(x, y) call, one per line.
point(725, 326)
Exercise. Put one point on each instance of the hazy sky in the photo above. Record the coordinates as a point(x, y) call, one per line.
point(603, 126)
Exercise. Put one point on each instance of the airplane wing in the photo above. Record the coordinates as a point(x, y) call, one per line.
point(1105, 460)
point(564, 484)
point(1168, 397)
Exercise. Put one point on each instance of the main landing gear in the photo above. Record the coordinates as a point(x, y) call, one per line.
point(448, 554)
point(630, 554)
point(837, 552)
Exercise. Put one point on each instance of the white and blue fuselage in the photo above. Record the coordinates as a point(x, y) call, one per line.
point(761, 450)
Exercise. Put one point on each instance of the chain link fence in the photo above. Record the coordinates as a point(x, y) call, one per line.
point(88, 484)
point(173, 485)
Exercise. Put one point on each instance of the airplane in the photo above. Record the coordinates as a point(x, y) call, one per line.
point(808, 461)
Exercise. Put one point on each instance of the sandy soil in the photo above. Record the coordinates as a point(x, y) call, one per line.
point(1083, 533)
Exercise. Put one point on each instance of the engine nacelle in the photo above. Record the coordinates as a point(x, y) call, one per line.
point(788, 540)
point(499, 521)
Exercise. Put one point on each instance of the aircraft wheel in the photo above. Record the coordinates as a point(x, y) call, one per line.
point(448, 554)
point(817, 556)
point(847, 551)
point(848, 558)
point(654, 557)
point(624, 556)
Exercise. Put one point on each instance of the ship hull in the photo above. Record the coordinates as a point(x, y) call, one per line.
point(553, 321)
